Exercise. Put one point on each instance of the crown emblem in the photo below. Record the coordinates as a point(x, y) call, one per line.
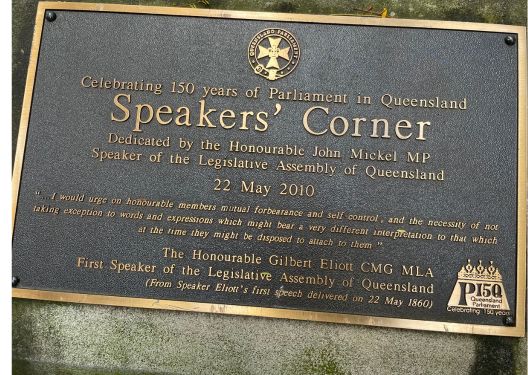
point(273, 53)
point(480, 272)
point(478, 288)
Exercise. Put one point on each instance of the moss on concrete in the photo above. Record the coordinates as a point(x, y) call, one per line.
point(22, 367)
point(321, 361)
point(500, 356)
point(102, 338)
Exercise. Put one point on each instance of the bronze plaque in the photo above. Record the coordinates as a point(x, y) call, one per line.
point(337, 169)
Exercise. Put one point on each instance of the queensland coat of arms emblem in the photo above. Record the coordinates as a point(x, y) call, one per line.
point(273, 53)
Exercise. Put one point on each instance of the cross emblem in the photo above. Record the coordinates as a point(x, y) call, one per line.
point(273, 52)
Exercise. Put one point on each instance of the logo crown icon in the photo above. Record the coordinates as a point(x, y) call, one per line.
point(480, 272)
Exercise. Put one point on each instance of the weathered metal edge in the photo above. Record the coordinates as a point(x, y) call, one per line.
point(518, 330)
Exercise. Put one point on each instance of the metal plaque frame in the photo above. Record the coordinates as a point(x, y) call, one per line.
point(520, 32)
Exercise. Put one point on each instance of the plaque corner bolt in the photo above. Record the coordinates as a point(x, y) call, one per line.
point(14, 281)
point(51, 16)
point(509, 321)
point(509, 40)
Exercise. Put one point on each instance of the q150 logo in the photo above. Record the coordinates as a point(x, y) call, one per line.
point(478, 287)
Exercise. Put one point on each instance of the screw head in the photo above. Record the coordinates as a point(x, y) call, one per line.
point(14, 281)
point(51, 16)
point(509, 40)
point(509, 321)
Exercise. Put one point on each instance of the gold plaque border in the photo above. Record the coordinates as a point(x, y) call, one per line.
point(518, 330)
